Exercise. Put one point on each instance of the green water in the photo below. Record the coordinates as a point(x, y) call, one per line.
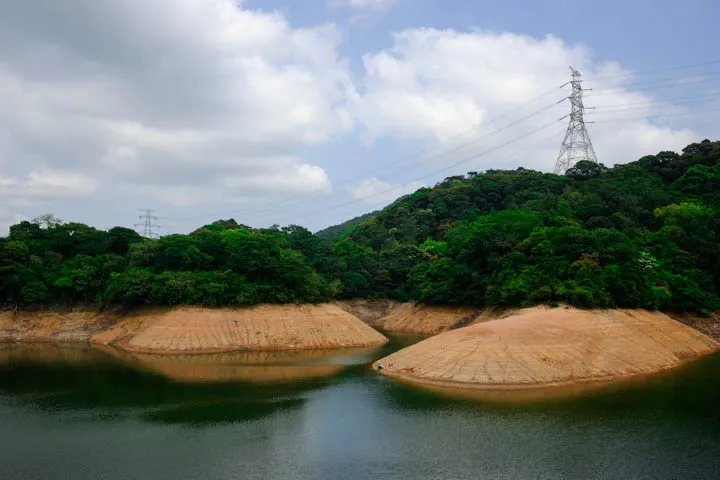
point(79, 413)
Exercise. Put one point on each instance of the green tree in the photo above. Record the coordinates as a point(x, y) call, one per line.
point(119, 240)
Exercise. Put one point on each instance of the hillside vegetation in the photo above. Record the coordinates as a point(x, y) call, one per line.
point(643, 234)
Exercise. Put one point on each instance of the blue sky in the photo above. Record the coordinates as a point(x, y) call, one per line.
point(639, 33)
point(312, 112)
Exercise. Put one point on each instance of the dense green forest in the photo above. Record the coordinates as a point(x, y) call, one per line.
point(643, 234)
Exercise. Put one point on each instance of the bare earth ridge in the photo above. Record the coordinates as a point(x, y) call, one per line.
point(543, 347)
point(262, 327)
point(199, 330)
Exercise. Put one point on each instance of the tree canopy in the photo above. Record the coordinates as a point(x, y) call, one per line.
point(643, 234)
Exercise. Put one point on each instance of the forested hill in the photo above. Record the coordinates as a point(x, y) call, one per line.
point(335, 231)
point(644, 234)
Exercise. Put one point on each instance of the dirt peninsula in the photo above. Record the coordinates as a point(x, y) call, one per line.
point(542, 347)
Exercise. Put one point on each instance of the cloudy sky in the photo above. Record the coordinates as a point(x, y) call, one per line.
point(315, 111)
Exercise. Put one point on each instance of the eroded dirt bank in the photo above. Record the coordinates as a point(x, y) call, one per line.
point(431, 319)
point(198, 330)
point(370, 311)
point(53, 326)
point(544, 347)
point(415, 318)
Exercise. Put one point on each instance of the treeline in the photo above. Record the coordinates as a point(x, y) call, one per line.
point(220, 264)
point(643, 234)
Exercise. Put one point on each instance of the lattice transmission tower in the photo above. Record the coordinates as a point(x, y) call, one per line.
point(577, 145)
point(148, 224)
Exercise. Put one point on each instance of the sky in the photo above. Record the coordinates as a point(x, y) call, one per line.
point(313, 112)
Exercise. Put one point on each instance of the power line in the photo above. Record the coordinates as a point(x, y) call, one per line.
point(616, 120)
point(623, 88)
point(434, 173)
point(481, 155)
point(645, 117)
point(695, 77)
point(510, 155)
point(417, 155)
point(663, 101)
point(444, 153)
point(654, 108)
point(655, 85)
point(675, 81)
point(473, 157)
point(655, 70)
point(651, 84)
point(577, 145)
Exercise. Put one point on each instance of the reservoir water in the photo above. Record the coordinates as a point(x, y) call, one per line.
point(76, 412)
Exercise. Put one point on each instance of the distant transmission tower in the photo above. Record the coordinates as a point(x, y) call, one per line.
point(148, 223)
point(577, 145)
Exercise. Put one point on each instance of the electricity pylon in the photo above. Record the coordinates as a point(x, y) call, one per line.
point(577, 145)
point(148, 223)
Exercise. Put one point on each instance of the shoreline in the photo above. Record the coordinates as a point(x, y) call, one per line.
point(530, 394)
point(196, 330)
point(709, 325)
point(373, 312)
point(541, 349)
point(70, 342)
point(528, 387)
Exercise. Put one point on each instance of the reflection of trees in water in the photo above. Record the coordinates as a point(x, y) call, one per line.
point(46, 353)
point(402, 396)
point(82, 378)
point(220, 412)
point(79, 378)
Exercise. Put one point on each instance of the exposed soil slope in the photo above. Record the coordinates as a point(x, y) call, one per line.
point(372, 311)
point(52, 326)
point(542, 347)
point(262, 327)
point(430, 319)
point(709, 325)
point(198, 330)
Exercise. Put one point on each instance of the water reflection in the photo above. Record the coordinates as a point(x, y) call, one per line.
point(244, 385)
point(243, 366)
point(76, 353)
point(219, 412)
point(692, 390)
point(84, 413)
point(253, 367)
point(109, 384)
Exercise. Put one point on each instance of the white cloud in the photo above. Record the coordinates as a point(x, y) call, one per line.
point(195, 102)
point(45, 184)
point(169, 93)
point(39, 188)
point(435, 85)
point(377, 192)
point(304, 179)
